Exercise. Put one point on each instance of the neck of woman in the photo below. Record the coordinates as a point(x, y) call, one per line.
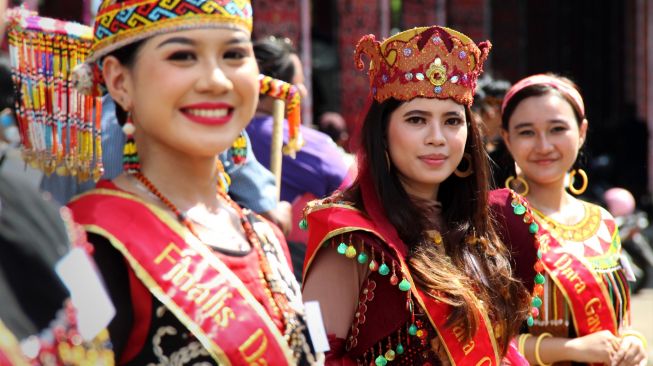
point(187, 181)
point(549, 198)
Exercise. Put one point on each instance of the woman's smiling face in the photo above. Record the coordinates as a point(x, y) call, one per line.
point(544, 137)
point(194, 90)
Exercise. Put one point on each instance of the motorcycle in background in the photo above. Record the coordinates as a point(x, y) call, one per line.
point(636, 247)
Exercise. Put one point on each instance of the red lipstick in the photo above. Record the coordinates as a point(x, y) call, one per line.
point(211, 114)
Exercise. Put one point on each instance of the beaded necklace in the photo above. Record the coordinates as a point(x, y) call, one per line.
point(277, 301)
point(521, 208)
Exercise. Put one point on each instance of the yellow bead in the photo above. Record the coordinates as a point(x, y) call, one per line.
point(350, 252)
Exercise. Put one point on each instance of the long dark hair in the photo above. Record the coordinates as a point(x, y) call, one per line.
point(537, 90)
point(476, 266)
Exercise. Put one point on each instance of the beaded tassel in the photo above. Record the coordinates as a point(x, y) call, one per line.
point(238, 150)
point(130, 162)
point(59, 129)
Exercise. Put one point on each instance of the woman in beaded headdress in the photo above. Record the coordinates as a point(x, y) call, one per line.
point(195, 278)
point(406, 263)
point(582, 300)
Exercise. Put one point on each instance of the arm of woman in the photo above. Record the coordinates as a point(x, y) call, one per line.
point(632, 349)
point(598, 347)
point(335, 281)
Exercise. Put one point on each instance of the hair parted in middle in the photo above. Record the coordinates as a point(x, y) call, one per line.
point(476, 267)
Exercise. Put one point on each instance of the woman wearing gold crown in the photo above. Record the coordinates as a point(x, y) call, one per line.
point(194, 278)
point(406, 264)
point(582, 299)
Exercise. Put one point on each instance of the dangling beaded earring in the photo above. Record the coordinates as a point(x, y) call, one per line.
point(224, 180)
point(238, 150)
point(130, 162)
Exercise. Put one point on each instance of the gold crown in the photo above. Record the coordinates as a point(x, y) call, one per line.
point(431, 62)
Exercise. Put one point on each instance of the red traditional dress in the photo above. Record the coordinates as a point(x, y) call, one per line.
point(583, 285)
point(180, 301)
point(395, 321)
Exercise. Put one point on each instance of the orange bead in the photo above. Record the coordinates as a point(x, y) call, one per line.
point(539, 267)
point(538, 290)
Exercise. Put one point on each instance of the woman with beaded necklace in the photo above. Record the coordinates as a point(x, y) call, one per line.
point(582, 300)
point(406, 263)
point(195, 279)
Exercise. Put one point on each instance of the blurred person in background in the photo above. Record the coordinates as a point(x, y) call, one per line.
point(319, 168)
point(487, 107)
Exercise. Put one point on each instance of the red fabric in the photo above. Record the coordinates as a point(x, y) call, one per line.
point(298, 235)
point(142, 309)
point(513, 357)
point(246, 267)
point(336, 356)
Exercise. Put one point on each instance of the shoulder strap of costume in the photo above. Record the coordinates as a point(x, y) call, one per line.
point(328, 220)
point(183, 273)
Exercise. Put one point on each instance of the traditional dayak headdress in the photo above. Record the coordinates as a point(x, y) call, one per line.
point(60, 126)
point(431, 62)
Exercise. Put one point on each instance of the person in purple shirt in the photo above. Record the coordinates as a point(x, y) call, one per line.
point(319, 167)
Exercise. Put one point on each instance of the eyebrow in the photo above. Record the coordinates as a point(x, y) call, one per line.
point(191, 42)
point(420, 112)
point(530, 124)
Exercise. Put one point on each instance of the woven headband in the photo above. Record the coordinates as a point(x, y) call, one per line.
point(541, 79)
point(118, 24)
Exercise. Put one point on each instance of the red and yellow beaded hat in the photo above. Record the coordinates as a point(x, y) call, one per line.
point(119, 23)
point(431, 62)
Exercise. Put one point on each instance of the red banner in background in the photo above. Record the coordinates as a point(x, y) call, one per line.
point(279, 18)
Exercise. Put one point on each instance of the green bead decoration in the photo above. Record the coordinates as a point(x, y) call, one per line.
point(384, 270)
point(404, 285)
point(537, 302)
point(519, 210)
point(530, 321)
point(533, 227)
point(539, 254)
point(539, 279)
point(381, 361)
point(303, 224)
point(362, 257)
point(400, 349)
point(342, 248)
point(412, 330)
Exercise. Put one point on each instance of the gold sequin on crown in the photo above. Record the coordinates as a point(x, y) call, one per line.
point(431, 62)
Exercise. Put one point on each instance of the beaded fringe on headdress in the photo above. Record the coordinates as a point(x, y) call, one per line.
point(59, 127)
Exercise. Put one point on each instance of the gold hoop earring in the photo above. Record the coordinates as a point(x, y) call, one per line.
point(583, 187)
point(521, 181)
point(387, 160)
point(467, 172)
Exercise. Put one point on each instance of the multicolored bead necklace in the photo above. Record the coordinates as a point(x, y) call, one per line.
point(521, 208)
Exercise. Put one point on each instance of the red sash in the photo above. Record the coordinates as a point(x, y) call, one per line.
point(182, 273)
point(328, 221)
point(588, 299)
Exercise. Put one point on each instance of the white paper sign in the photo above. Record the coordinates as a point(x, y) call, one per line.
point(94, 307)
point(316, 326)
point(625, 264)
